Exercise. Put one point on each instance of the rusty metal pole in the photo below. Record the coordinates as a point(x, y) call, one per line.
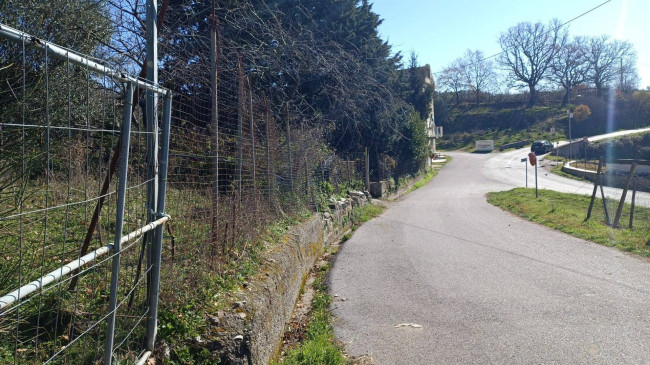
point(214, 114)
point(289, 146)
point(269, 180)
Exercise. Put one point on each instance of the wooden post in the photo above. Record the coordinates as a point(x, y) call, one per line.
point(602, 194)
point(252, 131)
point(252, 128)
point(269, 176)
point(593, 195)
point(367, 171)
point(240, 122)
point(633, 204)
point(306, 176)
point(289, 146)
point(619, 211)
point(348, 163)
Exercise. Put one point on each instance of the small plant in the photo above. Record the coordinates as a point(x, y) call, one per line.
point(320, 346)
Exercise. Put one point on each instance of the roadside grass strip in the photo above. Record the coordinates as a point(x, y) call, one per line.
point(320, 346)
point(567, 213)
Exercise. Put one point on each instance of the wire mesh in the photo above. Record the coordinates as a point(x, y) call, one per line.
point(242, 155)
point(59, 130)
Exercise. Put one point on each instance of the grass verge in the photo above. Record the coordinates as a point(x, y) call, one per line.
point(567, 213)
point(430, 174)
point(320, 346)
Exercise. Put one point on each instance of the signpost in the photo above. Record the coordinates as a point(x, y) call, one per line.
point(533, 162)
point(525, 164)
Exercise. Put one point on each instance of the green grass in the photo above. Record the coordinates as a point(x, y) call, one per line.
point(430, 174)
point(557, 169)
point(567, 213)
point(524, 124)
point(320, 347)
point(370, 211)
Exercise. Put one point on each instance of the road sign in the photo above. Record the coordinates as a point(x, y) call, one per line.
point(532, 158)
point(553, 130)
point(523, 159)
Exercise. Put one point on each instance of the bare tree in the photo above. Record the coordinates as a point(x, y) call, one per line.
point(605, 57)
point(628, 76)
point(570, 67)
point(453, 78)
point(528, 51)
point(479, 72)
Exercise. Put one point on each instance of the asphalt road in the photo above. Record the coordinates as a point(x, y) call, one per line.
point(471, 284)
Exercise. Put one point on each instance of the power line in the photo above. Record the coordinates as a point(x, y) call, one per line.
point(554, 29)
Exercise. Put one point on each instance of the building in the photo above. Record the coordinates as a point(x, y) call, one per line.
point(425, 77)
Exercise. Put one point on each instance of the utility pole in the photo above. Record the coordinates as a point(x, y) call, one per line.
point(570, 138)
point(620, 86)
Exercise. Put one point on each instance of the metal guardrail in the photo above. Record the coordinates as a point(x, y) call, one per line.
point(514, 145)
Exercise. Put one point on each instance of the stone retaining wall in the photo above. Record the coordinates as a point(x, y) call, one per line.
point(252, 333)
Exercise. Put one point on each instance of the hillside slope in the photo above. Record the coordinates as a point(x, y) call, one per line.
point(504, 123)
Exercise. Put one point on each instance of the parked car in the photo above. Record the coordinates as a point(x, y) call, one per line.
point(541, 147)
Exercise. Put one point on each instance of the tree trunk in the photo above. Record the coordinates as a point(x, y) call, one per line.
point(532, 96)
point(599, 89)
point(565, 98)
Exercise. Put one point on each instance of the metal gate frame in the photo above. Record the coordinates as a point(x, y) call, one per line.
point(156, 190)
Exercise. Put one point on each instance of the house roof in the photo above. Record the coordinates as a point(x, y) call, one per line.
point(423, 72)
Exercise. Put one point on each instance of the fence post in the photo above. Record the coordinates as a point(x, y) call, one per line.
point(268, 148)
point(289, 146)
point(632, 205)
point(619, 211)
point(152, 133)
point(151, 124)
point(215, 129)
point(156, 250)
point(367, 170)
point(252, 128)
point(348, 169)
point(119, 223)
point(593, 195)
point(240, 121)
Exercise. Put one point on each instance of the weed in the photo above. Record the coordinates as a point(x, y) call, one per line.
point(370, 211)
point(319, 348)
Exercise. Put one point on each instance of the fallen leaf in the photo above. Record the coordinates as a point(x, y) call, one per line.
point(413, 325)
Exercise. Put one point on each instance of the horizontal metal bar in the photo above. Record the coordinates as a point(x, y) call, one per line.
point(65, 54)
point(59, 273)
point(144, 358)
point(628, 161)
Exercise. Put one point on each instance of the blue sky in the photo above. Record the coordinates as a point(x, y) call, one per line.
point(440, 31)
